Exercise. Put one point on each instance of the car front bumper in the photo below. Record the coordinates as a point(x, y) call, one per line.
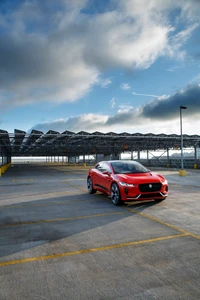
point(134, 194)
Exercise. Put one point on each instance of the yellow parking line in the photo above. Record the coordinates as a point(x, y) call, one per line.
point(45, 194)
point(43, 204)
point(72, 179)
point(23, 180)
point(64, 219)
point(75, 186)
point(149, 217)
point(92, 250)
point(164, 223)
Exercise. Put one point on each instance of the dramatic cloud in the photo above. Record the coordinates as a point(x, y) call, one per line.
point(157, 116)
point(89, 122)
point(127, 117)
point(57, 51)
point(167, 107)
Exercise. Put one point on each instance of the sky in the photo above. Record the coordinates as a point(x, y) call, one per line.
point(100, 65)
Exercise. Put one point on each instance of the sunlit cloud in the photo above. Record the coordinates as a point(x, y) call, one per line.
point(57, 53)
point(125, 86)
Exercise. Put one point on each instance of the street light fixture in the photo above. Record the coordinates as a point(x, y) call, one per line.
point(182, 172)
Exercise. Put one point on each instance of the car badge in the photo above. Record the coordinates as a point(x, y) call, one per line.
point(150, 186)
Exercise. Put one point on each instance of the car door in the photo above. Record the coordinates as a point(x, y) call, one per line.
point(102, 176)
point(106, 177)
point(98, 178)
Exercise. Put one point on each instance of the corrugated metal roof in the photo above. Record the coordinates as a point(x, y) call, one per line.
point(37, 143)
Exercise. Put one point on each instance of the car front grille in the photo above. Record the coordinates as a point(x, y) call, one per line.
point(150, 187)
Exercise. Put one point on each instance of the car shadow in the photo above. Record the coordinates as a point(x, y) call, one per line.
point(142, 205)
point(30, 224)
point(54, 221)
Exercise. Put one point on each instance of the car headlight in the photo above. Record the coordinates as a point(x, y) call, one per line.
point(126, 184)
point(165, 182)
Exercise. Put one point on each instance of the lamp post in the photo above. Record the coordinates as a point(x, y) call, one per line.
point(181, 128)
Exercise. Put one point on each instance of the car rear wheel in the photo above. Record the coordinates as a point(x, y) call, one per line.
point(91, 190)
point(115, 195)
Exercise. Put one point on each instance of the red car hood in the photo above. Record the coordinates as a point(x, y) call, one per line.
point(140, 177)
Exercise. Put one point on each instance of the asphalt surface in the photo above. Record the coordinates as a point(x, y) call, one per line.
point(59, 242)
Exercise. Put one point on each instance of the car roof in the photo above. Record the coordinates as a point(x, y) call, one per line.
point(117, 161)
point(121, 161)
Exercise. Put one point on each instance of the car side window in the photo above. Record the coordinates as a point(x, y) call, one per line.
point(99, 167)
point(106, 167)
point(103, 166)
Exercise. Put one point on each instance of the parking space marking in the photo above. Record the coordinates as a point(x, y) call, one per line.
point(152, 218)
point(182, 187)
point(64, 219)
point(164, 223)
point(45, 194)
point(23, 180)
point(75, 186)
point(72, 179)
point(91, 250)
point(43, 204)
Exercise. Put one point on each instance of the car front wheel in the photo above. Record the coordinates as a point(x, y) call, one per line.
point(115, 195)
point(91, 190)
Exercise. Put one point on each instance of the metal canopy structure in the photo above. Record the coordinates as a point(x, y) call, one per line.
point(53, 143)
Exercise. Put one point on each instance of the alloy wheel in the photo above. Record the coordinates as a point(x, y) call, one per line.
point(115, 194)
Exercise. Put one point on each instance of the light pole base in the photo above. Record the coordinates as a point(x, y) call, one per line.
point(182, 172)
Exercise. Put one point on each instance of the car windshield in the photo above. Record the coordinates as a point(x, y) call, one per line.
point(128, 167)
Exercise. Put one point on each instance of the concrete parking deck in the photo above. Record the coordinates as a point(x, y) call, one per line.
point(59, 242)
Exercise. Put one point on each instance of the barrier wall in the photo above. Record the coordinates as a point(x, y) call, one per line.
point(4, 168)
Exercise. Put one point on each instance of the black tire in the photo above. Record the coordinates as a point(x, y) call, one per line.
point(115, 195)
point(91, 190)
point(159, 200)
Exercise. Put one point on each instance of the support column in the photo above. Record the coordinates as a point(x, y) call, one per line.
point(195, 157)
point(131, 155)
point(148, 158)
point(138, 154)
point(168, 164)
point(84, 163)
point(195, 154)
